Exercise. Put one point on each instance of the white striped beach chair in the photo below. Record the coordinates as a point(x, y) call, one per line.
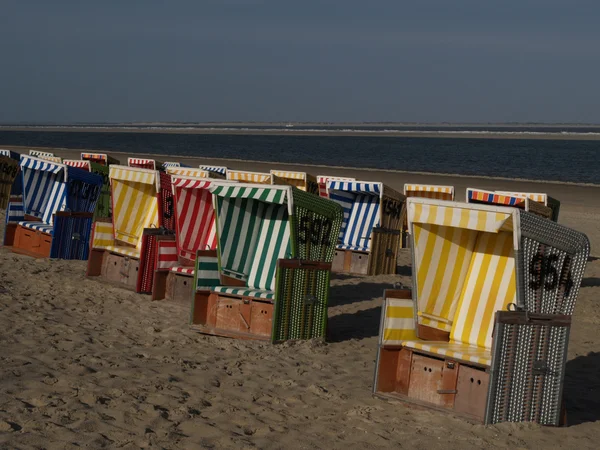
point(370, 234)
point(481, 196)
point(323, 179)
point(244, 176)
point(486, 330)
point(195, 231)
point(270, 278)
point(301, 180)
point(116, 253)
point(57, 209)
point(45, 155)
point(99, 158)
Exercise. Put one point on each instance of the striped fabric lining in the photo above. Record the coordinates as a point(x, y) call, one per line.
point(399, 321)
point(194, 216)
point(249, 177)
point(44, 187)
point(184, 270)
point(322, 181)
point(429, 191)
point(38, 226)
point(78, 163)
point(103, 235)
point(125, 251)
point(256, 293)
point(536, 197)
point(135, 202)
point(207, 272)
point(14, 211)
point(188, 172)
point(166, 257)
point(142, 163)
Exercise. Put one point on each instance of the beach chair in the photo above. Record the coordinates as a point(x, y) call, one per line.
point(191, 172)
point(423, 191)
point(249, 177)
point(270, 279)
point(144, 163)
point(370, 236)
point(322, 182)
point(57, 209)
point(544, 199)
point(301, 180)
point(167, 164)
point(100, 158)
point(219, 172)
point(9, 174)
point(484, 332)
point(45, 155)
point(104, 203)
point(481, 196)
point(120, 253)
point(195, 231)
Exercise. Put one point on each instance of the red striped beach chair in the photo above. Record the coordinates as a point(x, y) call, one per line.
point(484, 332)
point(144, 163)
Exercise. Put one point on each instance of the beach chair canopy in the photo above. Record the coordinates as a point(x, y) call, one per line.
point(142, 163)
point(78, 163)
point(41, 154)
point(361, 203)
point(301, 180)
point(188, 172)
point(323, 179)
point(50, 187)
point(135, 202)
point(194, 216)
point(249, 177)
point(254, 224)
point(465, 260)
point(10, 154)
point(100, 158)
point(173, 164)
point(494, 198)
point(219, 170)
point(544, 199)
point(429, 191)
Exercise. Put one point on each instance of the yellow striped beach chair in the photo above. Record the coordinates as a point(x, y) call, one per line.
point(244, 176)
point(486, 329)
point(301, 180)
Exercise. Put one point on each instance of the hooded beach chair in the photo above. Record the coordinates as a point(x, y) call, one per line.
point(57, 209)
point(484, 333)
point(494, 198)
point(195, 230)
point(249, 177)
point(544, 199)
point(45, 155)
point(10, 182)
point(173, 164)
point(99, 158)
point(424, 191)
point(270, 278)
point(301, 180)
point(322, 181)
point(370, 235)
point(144, 163)
point(216, 171)
point(119, 251)
point(104, 205)
point(191, 172)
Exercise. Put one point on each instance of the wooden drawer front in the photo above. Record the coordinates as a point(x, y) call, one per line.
point(471, 392)
point(261, 318)
point(338, 261)
point(433, 381)
point(228, 315)
point(359, 263)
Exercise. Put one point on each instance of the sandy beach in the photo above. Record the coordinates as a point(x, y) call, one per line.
point(84, 364)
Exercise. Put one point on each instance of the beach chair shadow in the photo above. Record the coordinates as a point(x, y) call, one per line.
point(582, 389)
point(590, 282)
point(347, 294)
point(359, 325)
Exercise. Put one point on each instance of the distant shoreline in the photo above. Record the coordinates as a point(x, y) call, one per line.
point(165, 129)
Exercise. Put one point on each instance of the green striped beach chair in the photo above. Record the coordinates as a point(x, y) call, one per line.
point(270, 278)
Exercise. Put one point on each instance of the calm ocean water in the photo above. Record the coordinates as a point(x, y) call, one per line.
point(552, 160)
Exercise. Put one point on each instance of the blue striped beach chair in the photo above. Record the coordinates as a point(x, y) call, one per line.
point(370, 234)
point(57, 210)
point(219, 172)
point(270, 278)
point(484, 332)
point(48, 156)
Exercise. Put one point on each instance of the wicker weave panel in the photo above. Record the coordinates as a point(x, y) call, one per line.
point(9, 168)
point(71, 238)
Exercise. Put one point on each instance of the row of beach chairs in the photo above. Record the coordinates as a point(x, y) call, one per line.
point(482, 332)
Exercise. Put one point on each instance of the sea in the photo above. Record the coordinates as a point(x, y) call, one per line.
point(459, 150)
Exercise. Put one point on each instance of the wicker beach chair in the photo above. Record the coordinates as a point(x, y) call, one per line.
point(195, 231)
point(544, 199)
point(270, 279)
point(483, 197)
point(10, 181)
point(301, 180)
point(142, 207)
point(54, 217)
point(370, 236)
point(219, 172)
point(484, 333)
point(104, 204)
point(249, 177)
point(322, 182)
point(100, 158)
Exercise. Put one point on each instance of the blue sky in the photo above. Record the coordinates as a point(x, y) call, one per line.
point(246, 60)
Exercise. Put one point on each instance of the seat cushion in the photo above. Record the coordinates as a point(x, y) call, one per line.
point(184, 270)
point(256, 293)
point(123, 250)
point(454, 350)
point(38, 226)
point(357, 248)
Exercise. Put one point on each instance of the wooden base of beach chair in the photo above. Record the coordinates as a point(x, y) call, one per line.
point(9, 234)
point(232, 316)
point(32, 243)
point(350, 262)
point(116, 269)
point(438, 383)
point(176, 287)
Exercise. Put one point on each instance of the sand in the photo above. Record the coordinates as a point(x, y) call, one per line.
point(84, 364)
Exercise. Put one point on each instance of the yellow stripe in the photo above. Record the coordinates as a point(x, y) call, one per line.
point(400, 312)
point(188, 172)
point(399, 335)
